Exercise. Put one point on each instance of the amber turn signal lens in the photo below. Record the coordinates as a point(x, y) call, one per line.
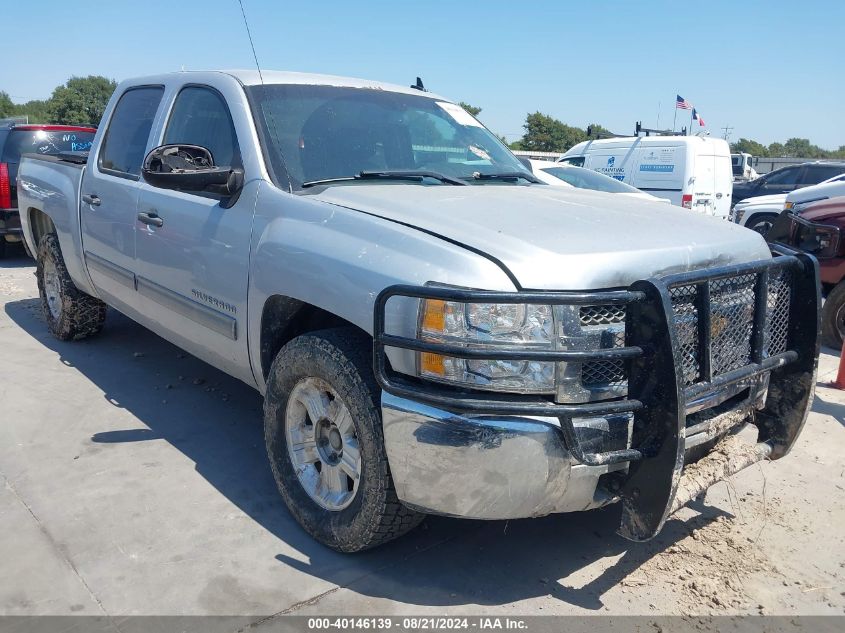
point(432, 364)
point(434, 315)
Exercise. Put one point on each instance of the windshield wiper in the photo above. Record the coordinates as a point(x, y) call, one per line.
point(509, 175)
point(326, 181)
point(413, 175)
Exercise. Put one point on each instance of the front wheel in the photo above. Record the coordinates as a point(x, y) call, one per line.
point(322, 428)
point(762, 223)
point(833, 318)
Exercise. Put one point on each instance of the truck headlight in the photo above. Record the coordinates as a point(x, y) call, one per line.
point(486, 325)
point(827, 241)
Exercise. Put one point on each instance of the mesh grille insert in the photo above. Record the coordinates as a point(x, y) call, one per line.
point(731, 322)
point(686, 325)
point(777, 310)
point(731, 308)
point(603, 373)
point(602, 315)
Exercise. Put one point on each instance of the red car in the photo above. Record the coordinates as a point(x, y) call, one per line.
point(820, 231)
point(17, 139)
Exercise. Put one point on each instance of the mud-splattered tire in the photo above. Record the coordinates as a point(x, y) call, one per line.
point(833, 317)
point(71, 314)
point(319, 375)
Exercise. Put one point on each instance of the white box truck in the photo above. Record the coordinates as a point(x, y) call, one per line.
point(691, 171)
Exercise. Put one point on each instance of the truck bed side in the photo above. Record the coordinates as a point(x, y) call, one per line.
point(50, 186)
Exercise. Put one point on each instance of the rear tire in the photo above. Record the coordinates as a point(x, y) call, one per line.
point(71, 314)
point(833, 317)
point(316, 380)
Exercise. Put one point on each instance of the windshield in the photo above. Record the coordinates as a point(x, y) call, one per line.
point(589, 179)
point(315, 133)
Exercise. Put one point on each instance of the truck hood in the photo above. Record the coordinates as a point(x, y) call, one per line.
point(832, 211)
point(557, 238)
point(772, 200)
point(821, 191)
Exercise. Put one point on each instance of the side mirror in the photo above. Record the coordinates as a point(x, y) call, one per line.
point(190, 168)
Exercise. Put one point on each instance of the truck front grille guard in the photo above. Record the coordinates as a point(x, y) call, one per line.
point(669, 359)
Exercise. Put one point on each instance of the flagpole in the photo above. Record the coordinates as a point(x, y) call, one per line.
point(675, 118)
point(691, 110)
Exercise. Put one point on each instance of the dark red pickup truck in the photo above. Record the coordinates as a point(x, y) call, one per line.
point(820, 231)
point(17, 139)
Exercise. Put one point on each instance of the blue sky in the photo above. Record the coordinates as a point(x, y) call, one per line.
point(771, 70)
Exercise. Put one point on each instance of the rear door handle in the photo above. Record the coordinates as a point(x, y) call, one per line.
point(92, 199)
point(150, 218)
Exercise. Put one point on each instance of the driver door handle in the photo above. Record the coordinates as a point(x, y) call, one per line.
point(150, 218)
point(92, 199)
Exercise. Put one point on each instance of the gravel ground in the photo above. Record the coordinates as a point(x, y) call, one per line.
point(133, 480)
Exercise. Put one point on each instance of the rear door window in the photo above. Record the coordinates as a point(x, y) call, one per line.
point(45, 141)
point(123, 147)
point(815, 174)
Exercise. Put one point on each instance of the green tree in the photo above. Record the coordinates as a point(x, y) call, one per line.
point(546, 134)
point(777, 150)
point(799, 147)
point(752, 147)
point(7, 108)
point(473, 110)
point(80, 100)
point(37, 110)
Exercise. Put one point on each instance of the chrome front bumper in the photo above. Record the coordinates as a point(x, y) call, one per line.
point(484, 467)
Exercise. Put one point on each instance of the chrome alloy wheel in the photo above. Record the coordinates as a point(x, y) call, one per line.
point(322, 444)
point(52, 289)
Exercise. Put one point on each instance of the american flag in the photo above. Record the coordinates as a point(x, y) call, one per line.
point(681, 103)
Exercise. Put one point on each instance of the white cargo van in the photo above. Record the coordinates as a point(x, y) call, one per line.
point(691, 171)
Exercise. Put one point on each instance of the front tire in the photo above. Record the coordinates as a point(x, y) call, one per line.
point(833, 318)
point(761, 223)
point(71, 314)
point(323, 432)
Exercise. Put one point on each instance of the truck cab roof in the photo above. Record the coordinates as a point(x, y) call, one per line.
point(271, 77)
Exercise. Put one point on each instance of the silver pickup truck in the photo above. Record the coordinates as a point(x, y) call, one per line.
point(433, 330)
